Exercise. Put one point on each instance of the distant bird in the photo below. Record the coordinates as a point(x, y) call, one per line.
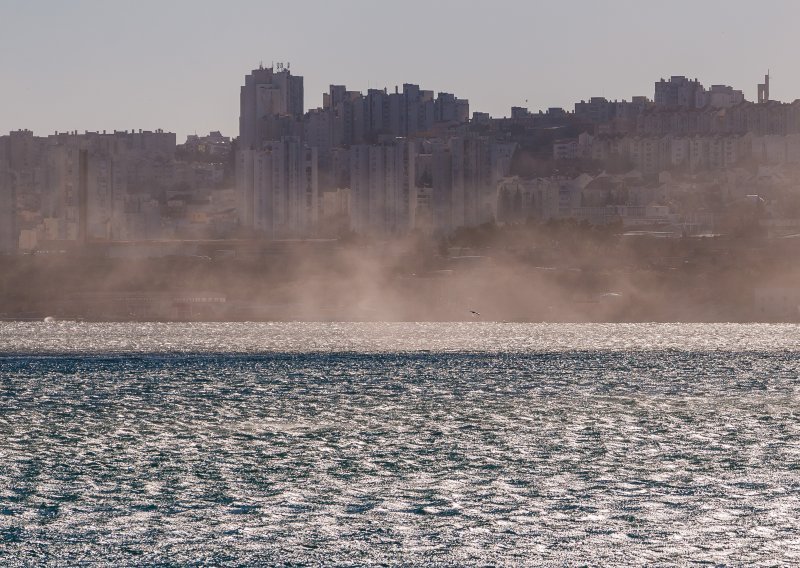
point(474, 313)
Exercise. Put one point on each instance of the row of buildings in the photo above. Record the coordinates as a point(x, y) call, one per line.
point(435, 185)
point(405, 160)
point(410, 160)
point(103, 186)
point(670, 204)
point(381, 163)
point(598, 199)
point(653, 154)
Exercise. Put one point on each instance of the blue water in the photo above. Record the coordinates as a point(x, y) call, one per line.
point(401, 444)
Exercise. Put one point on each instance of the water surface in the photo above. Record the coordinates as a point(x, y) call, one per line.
point(421, 444)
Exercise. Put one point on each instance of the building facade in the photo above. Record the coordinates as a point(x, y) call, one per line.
point(382, 188)
point(278, 189)
point(270, 101)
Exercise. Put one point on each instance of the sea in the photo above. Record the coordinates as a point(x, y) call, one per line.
point(399, 444)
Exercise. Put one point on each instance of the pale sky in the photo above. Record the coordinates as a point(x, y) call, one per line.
point(178, 64)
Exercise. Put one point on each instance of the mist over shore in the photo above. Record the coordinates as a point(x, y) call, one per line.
point(525, 272)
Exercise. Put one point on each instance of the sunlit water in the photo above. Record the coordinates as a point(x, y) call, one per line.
point(420, 444)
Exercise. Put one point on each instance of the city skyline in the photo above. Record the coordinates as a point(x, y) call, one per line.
point(90, 68)
point(407, 283)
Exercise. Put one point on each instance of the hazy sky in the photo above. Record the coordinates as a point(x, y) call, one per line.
point(178, 65)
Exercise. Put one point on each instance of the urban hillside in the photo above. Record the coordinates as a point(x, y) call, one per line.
point(399, 203)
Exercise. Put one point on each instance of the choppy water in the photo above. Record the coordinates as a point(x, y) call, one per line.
point(449, 444)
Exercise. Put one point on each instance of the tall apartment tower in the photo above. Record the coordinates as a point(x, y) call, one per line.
point(279, 189)
point(677, 92)
point(276, 175)
point(383, 193)
point(83, 195)
point(763, 90)
point(8, 216)
point(266, 95)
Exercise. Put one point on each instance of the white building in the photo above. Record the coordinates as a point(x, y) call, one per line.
point(649, 154)
point(267, 93)
point(519, 200)
point(60, 200)
point(116, 165)
point(776, 149)
point(566, 149)
point(8, 233)
point(652, 154)
point(719, 96)
point(382, 189)
point(278, 189)
point(464, 173)
point(71, 186)
point(105, 191)
point(474, 180)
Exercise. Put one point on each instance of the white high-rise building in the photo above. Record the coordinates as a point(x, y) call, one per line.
point(279, 189)
point(473, 181)
point(382, 189)
point(266, 95)
point(116, 165)
point(464, 174)
point(78, 184)
point(105, 190)
point(8, 233)
point(276, 174)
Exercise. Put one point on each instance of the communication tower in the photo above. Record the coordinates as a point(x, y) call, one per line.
point(763, 90)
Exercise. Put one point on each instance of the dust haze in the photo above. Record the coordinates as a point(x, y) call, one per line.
point(399, 205)
point(550, 271)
